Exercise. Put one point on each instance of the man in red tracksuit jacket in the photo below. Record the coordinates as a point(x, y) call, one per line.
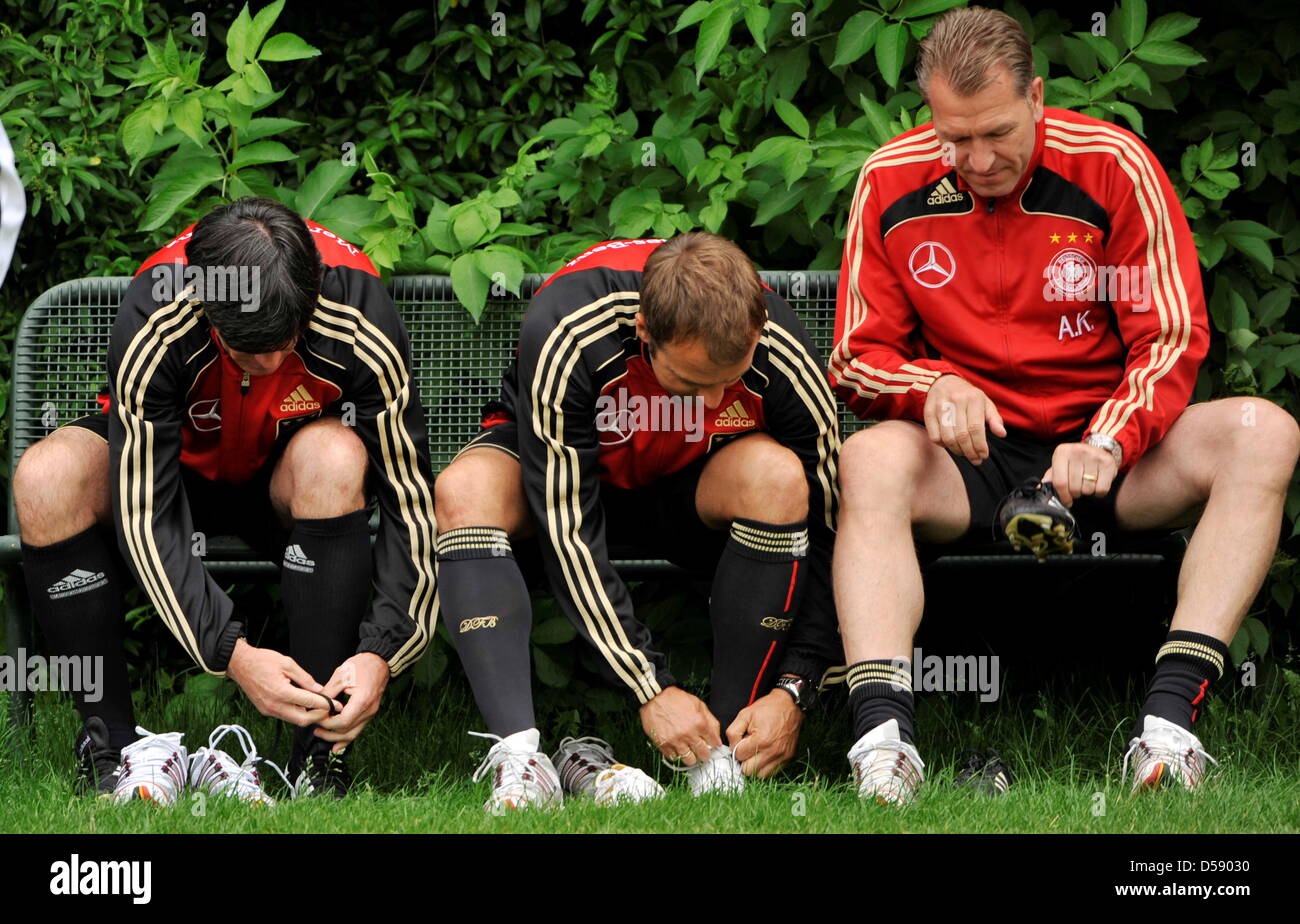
point(1020, 298)
point(259, 385)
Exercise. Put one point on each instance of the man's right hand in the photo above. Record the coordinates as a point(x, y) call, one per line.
point(681, 726)
point(955, 414)
point(267, 679)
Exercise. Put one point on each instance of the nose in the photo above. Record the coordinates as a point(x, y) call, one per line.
point(981, 158)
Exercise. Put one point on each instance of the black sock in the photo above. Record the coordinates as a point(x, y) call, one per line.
point(1186, 666)
point(325, 586)
point(881, 690)
point(756, 592)
point(489, 617)
point(76, 590)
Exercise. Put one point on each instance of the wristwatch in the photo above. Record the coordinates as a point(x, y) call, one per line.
point(801, 691)
point(1101, 441)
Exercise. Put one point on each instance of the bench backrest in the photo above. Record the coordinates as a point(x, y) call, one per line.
point(59, 351)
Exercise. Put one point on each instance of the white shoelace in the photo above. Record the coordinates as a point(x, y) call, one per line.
point(720, 773)
point(517, 771)
point(208, 768)
point(1160, 752)
point(897, 771)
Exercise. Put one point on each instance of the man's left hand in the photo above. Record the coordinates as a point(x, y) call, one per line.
point(1081, 470)
point(764, 735)
point(363, 677)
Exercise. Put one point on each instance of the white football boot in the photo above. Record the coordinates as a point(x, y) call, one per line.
point(522, 776)
point(587, 768)
point(216, 773)
point(153, 769)
point(721, 773)
point(885, 767)
point(1165, 752)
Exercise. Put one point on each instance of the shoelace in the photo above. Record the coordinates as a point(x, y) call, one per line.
point(720, 770)
point(1161, 752)
point(244, 781)
point(515, 769)
point(156, 757)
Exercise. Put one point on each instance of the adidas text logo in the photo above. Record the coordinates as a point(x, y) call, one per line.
point(78, 582)
point(299, 400)
point(295, 559)
point(944, 193)
point(735, 417)
point(774, 622)
point(478, 622)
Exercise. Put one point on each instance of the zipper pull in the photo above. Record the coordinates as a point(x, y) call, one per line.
point(243, 384)
point(989, 205)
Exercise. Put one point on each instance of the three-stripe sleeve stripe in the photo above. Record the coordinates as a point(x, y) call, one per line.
point(373, 347)
point(561, 350)
point(135, 469)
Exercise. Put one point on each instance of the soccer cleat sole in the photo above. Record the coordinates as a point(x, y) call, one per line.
point(1037, 533)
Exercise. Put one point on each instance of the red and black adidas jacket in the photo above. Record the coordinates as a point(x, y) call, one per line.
point(178, 399)
point(1074, 302)
point(578, 344)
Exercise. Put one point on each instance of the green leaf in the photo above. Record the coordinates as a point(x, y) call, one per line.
point(1175, 53)
point(1242, 339)
point(1248, 229)
point(470, 284)
point(1102, 47)
point(557, 631)
point(1223, 178)
point(549, 671)
point(714, 32)
point(1171, 26)
point(263, 127)
point(1238, 646)
point(287, 47)
point(325, 180)
point(1132, 21)
point(792, 117)
point(692, 14)
point(757, 18)
point(237, 40)
point(913, 9)
point(771, 148)
point(137, 134)
point(1258, 633)
point(890, 51)
point(469, 226)
point(1205, 153)
point(262, 152)
point(346, 216)
point(261, 25)
point(856, 36)
point(1254, 248)
point(1272, 306)
point(502, 267)
point(190, 176)
point(877, 119)
point(1128, 111)
point(188, 116)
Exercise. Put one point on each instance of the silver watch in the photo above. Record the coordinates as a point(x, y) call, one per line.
point(1107, 443)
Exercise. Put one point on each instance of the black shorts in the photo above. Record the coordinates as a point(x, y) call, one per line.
point(657, 521)
point(1012, 460)
point(219, 509)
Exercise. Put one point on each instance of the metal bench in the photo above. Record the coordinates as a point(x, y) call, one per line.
point(58, 368)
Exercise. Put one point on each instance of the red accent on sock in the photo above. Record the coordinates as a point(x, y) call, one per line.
point(1194, 711)
point(753, 694)
point(789, 594)
point(1201, 695)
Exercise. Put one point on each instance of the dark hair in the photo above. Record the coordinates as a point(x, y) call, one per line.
point(701, 286)
point(270, 236)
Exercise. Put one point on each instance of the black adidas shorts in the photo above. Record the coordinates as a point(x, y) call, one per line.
point(218, 509)
point(1012, 460)
point(658, 521)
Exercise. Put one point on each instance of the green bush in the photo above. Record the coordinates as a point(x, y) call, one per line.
point(486, 141)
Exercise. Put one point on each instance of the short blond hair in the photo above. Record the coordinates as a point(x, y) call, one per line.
point(965, 48)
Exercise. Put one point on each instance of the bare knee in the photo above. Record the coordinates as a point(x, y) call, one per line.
point(60, 486)
point(882, 465)
point(323, 471)
point(483, 487)
point(1263, 442)
point(772, 486)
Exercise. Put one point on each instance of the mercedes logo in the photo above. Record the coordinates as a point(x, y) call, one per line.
point(932, 264)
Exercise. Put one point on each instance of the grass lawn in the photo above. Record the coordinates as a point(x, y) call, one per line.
point(414, 763)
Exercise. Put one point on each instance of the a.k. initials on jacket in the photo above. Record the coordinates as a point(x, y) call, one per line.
point(1074, 302)
point(177, 398)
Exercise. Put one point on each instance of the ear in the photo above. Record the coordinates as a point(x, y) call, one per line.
point(1036, 98)
point(642, 333)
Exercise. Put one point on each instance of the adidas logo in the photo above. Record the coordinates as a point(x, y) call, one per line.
point(295, 559)
point(78, 582)
point(735, 417)
point(944, 193)
point(299, 400)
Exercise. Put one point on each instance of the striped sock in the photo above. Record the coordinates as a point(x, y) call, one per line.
point(1186, 666)
point(881, 690)
point(489, 617)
